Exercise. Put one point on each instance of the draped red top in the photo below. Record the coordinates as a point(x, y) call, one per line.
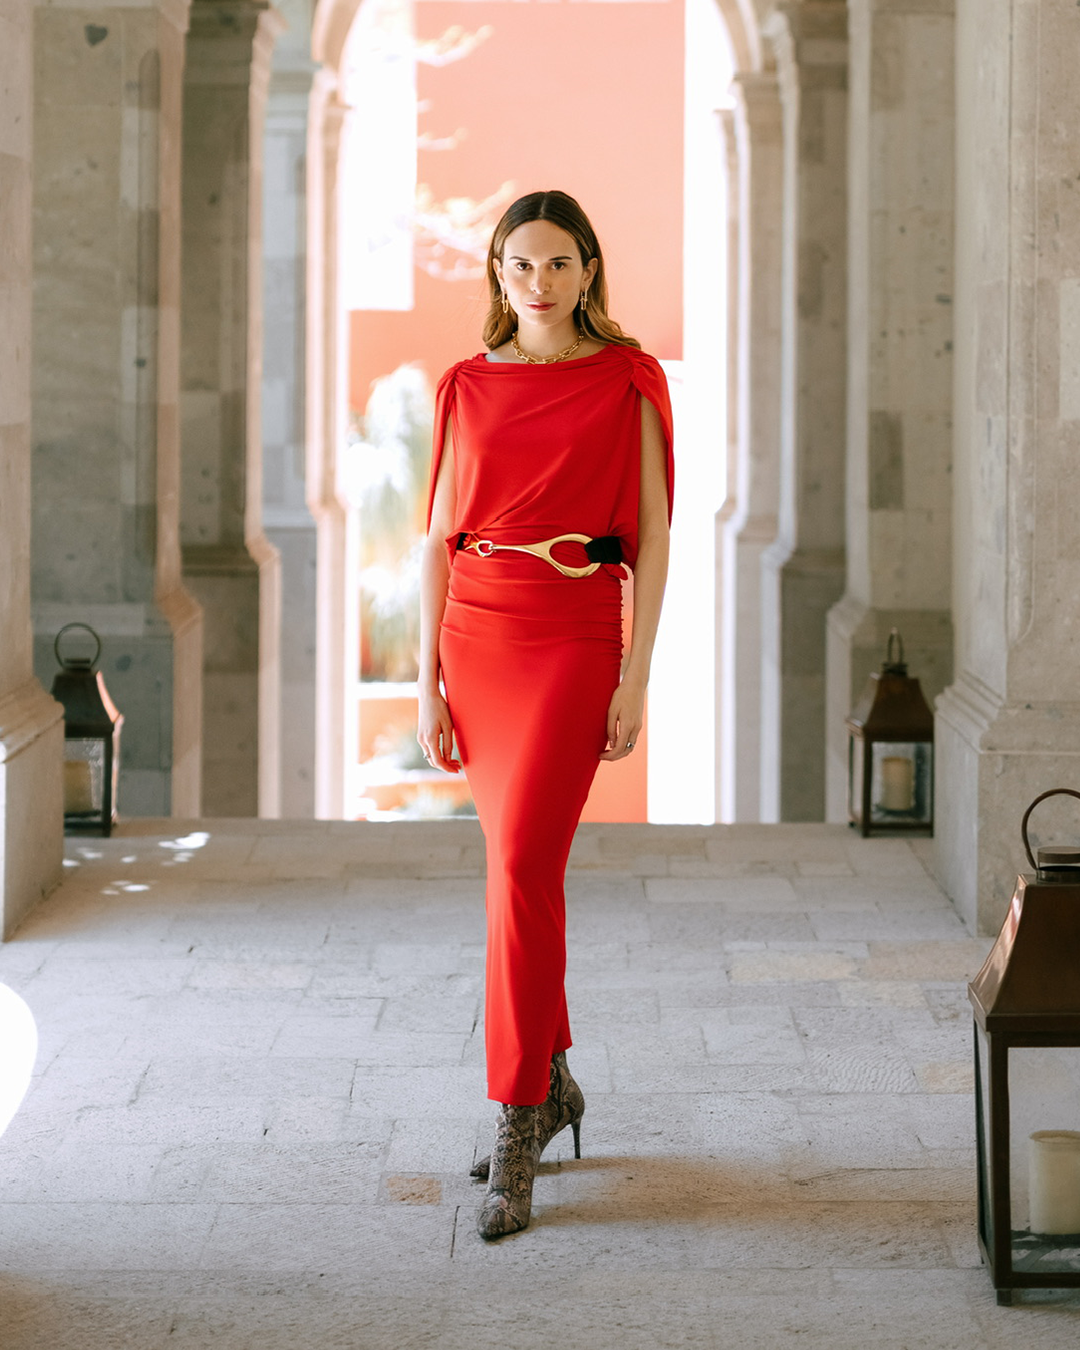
point(542, 450)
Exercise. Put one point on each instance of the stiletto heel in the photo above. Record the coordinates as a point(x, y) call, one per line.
point(564, 1105)
point(507, 1206)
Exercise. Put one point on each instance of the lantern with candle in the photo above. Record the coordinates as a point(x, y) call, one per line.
point(891, 751)
point(91, 738)
point(1026, 1001)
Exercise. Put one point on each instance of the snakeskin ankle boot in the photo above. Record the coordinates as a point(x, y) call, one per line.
point(565, 1105)
point(508, 1202)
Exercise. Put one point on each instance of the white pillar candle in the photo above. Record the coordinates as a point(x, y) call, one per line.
point(897, 783)
point(78, 789)
point(1054, 1186)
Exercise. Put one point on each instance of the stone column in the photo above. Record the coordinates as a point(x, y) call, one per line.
point(105, 369)
point(899, 432)
point(31, 724)
point(228, 562)
point(338, 639)
point(1009, 727)
point(803, 570)
point(748, 521)
point(288, 523)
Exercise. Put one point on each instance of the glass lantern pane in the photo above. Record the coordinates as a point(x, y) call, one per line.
point(115, 770)
point(900, 791)
point(856, 768)
point(84, 776)
point(856, 759)
point(982, 1129)
point(1044, 1159)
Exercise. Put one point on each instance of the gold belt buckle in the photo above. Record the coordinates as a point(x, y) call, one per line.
point(484, 548)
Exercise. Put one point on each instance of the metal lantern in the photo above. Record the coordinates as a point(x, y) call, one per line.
point(891, 751)
point(1026, 1000)
point(91, 740)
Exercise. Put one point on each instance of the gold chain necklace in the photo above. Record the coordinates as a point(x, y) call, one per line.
point(545, 360)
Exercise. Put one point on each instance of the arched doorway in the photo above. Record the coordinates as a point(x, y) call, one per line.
point(451, 222)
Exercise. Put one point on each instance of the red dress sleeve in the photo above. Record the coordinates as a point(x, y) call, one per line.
point(444, 406)
point(651, 383)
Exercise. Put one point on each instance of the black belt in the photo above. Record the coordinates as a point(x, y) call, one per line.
point(606, 548)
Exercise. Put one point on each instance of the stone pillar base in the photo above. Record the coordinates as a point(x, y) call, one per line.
point(298, 548)
point(337, 660)
point(855, 643)
point(992, 760)
point(743, 542)
point(185, 617)
point(238, 590)
point(150, 655)
point(31, 801)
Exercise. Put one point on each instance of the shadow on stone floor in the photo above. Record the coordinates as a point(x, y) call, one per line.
point(623, 1189)
point(636, 1189)
point(70, 1311)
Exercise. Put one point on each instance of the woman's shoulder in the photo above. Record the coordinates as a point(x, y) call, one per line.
point(450, 375)
point(647, 377)
point(467, 365)
point(638, 364)
point(451, 371)
point(642, 368)
point(636, 357)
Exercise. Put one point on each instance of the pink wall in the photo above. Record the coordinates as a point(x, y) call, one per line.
point(573, 94)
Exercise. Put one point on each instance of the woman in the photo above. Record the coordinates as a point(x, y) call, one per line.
point(563, 427)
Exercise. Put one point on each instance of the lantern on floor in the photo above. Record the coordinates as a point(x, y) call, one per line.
point(91, 739)
point(891, 751)
point(1026, 1001)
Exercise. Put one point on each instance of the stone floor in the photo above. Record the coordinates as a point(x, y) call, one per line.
point(260, 1089)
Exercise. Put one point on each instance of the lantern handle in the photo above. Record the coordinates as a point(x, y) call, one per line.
point(66, 629)
point(1054, 792)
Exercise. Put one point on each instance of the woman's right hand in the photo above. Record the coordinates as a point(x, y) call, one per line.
point(435, 732)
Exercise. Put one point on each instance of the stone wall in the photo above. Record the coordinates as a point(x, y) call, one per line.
point(31, 725)
point(1009, 726)
point(105, 371)
point(899, 424)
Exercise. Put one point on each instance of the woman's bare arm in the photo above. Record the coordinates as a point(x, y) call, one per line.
point(435, 729)
point(626, 713)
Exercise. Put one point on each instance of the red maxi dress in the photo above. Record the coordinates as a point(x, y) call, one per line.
point(530, 658)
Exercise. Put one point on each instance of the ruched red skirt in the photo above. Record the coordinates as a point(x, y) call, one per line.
point(530, 660)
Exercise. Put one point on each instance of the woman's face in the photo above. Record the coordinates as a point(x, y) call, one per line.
point(542, 274)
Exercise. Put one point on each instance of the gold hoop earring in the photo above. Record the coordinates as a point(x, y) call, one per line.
point(584, 303)
point(505, 303)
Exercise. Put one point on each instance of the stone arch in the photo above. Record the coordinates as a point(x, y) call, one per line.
point(330, 30)
point(744, 31)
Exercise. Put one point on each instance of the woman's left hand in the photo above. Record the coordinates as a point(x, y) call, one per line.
point(626, 715)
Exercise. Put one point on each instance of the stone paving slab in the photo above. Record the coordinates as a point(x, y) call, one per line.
point(260, 1088)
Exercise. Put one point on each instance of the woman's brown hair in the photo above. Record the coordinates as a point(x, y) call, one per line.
point(563, 211)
